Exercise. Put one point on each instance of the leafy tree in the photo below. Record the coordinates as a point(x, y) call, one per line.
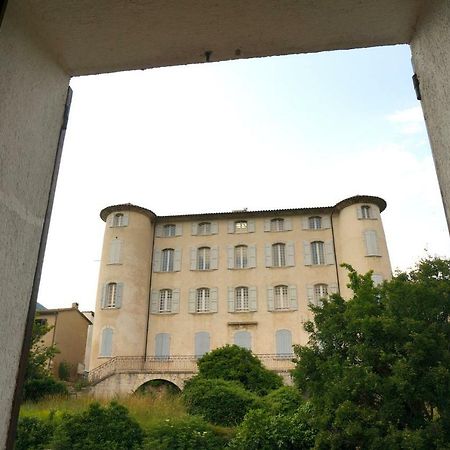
point(235, 363)
point(377, 367)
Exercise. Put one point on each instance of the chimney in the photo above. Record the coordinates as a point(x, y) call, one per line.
point(75, 305)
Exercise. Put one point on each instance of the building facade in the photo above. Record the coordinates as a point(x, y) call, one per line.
point(183, 285)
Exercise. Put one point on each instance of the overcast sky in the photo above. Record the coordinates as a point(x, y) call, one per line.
point(281, 132)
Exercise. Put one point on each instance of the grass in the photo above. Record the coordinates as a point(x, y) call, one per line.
point(148, 410)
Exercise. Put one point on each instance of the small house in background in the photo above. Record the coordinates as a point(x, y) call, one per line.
point(69, 333)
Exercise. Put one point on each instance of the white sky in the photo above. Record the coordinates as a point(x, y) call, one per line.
point(282, 132)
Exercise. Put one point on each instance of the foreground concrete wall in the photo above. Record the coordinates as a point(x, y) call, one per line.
point(431, 59)
point(32, 97)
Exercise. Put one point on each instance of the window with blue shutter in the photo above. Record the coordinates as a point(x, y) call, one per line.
point(115, 251)
point(162, 345)
point(283, 340)
point(243, 339)
point(202, 343)
point(107, 342)
point(371, 241)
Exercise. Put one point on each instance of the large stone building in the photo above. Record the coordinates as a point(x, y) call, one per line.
point(182, 285)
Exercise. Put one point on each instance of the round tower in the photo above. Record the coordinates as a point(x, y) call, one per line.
point(121, 309)
point(359, 239)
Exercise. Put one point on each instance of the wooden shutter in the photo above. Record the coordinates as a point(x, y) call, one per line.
point(162, 345)
point(307, 258)
point(310, 293)
point(106, 345)
point(175, 300)
point(305, 223)
point(103, 296)
point(266, 224)
point(370, 237)
point(329, 252)
point(177, 260)
point(125, 220)
point(283, 340)
point(193, 258)
point(119, 294)
point(287, 224)
point(268, 255)
point(213, 295)
point(154, 302)
point(252, 303)
point(202, 343)
point(110, 220)
point(194, 229)
point(326, 222)
point(191, 303)
point(157, 261)
point(231, 300)
point(178, 229)
point(231, 226)
point(270, 299)
point(115, 250)
point(214, 262)
point(214, 227)
point(290, 254)
point(159, 230)
point(243, 339)
point(251, 256)
point(359, 214)
point(230, 257)
point(251, 226)
point(293, 304)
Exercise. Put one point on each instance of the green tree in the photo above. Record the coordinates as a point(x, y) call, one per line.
point(235, 363)
point(377, 367)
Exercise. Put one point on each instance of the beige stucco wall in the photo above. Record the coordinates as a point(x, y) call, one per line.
point(431, 59)
point(32, 95)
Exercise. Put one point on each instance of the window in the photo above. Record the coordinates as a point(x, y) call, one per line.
point(243, 339)
point(283, 339)
point(281, 297)
point(241, 299)
point(371, 240)
point(162, 345)
point(377, 279)
point(203, 258)
point(278, 255)
point(118, 220)
point(320, 292)
point(202, 300)
point(111, 295)
point(366, 212)
point(240, 257)
point(115, 251)
point(277, 225)
point(202, 343)
point(204, 228)
point(315, 223)
point(167, 260)
point(240, 226)
point(317, 253)
point(169, 230)
point(106, 342)
point(165, 300)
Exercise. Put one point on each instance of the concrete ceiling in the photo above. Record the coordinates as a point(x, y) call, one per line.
point(95, 36)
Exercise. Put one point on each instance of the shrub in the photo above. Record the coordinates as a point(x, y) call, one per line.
point(235, 363)
point(284, 400)
point(33, 434)
point(64, 371)
point(187, 433)
point(38, 388)
point(263, 431)
point(218, 401)
point(98, 428)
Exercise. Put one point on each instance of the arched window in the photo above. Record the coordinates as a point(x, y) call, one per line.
point(118, 220)
point(277, 224)
point(240, 226)
point(202, 343)
point(240, 256)
point(278, 255)
point(111, 295)
point(169, 230)
point(202, 300)
point(203, 258)
point(162, 345)
point(317, 253)
point(315, 223)
point(241, 298)
point(204, 228)
point(165, 300)
point(283, 340)
point(243, 339)
point(281, 300)
point(106, 342)
point(365, 212)
point(167, 260)
point(320, 292)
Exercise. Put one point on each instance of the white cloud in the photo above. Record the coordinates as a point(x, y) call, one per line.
point(410, 120)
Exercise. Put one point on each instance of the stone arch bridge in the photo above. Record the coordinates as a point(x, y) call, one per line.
point(122, 375)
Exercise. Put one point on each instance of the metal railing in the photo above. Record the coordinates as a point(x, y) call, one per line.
point(173, 364)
